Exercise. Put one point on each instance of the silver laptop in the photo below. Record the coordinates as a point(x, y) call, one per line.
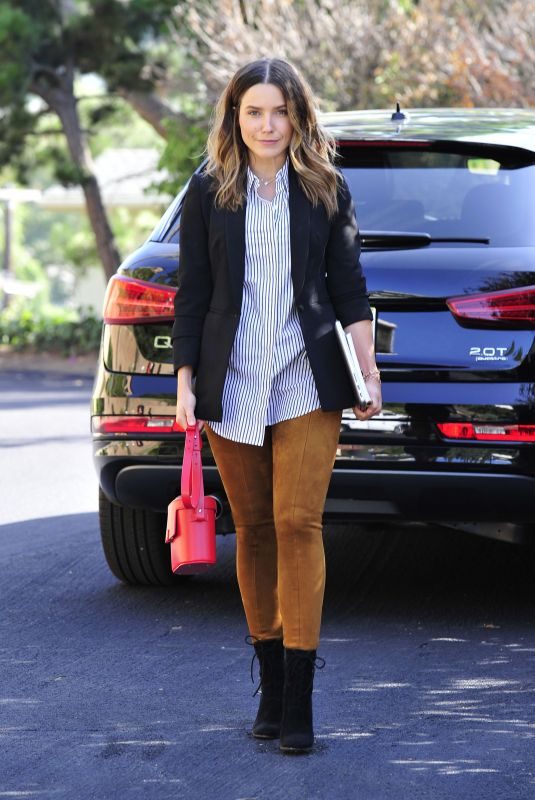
point(353, 367)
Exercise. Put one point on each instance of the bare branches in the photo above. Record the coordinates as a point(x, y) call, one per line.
point(446, 55)
point(335, 43)
point(363, 53)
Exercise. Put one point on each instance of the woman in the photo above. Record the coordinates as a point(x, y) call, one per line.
point(269, 259)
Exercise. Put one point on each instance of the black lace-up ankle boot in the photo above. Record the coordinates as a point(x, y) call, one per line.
point(297, 734)
point(270, 654)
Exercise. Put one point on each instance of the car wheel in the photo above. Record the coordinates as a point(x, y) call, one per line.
point(134, 545)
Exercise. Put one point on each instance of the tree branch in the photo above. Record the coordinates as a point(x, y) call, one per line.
point(153, 110)
point(38, 68)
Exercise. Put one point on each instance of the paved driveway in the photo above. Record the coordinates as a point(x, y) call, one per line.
point(109, 690)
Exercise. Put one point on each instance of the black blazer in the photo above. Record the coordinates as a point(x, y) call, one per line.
point(327, 279)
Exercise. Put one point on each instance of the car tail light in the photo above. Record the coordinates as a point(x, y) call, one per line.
point(512, 308)
point(135, 424)
point(129, 301)
point(487, 432)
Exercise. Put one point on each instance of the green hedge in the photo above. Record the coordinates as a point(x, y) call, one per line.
point(64, 331)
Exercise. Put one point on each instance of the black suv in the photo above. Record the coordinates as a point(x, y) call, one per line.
point(445, 202)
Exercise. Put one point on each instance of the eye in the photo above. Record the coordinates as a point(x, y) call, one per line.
point(254, 111)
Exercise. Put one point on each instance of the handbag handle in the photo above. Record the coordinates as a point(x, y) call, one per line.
point(191, 482)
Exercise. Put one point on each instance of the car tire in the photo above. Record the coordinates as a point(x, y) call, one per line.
point(133, 540)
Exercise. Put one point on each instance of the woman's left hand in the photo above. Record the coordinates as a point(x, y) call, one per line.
point(374, 388)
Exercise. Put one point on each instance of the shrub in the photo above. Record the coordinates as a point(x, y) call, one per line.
point(65, 331)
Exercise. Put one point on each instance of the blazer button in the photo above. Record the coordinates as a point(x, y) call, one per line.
point(300, 307)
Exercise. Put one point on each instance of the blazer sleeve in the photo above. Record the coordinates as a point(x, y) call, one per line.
point(194, 280)
point(346, 283)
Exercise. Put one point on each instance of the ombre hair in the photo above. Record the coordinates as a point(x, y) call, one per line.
point(312, 149)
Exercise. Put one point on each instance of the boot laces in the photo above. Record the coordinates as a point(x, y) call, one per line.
point(250, 639)
point(299, 667)
point(265, 661)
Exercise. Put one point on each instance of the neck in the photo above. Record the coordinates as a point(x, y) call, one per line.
point(266, 167)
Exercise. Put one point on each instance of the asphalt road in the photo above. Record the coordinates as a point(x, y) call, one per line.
point(109, 690)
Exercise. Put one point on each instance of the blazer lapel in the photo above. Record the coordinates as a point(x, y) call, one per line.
point(299, 230)
point(299, 208)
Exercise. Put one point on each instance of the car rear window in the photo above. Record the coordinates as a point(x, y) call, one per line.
point(482, 192)
point(447, 191)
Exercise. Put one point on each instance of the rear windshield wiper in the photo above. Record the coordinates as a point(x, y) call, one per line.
point(379, 239)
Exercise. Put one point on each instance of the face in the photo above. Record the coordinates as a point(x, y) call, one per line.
point(264, 124)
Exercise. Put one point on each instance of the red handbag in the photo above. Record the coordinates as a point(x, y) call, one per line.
point(191, 516)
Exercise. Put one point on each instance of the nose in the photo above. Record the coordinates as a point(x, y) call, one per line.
point(267, 125)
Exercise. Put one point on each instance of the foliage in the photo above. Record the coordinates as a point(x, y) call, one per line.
point(459, 52)
point(55, 238)
point(45, 45)
point(335, 43)
point(185, 138)
point(183, 153)
point(133, 226)
point(24, 265)
point(370, 53)
point(355, 53)
point(41, 40)
point(49, 328)
point(120, 124)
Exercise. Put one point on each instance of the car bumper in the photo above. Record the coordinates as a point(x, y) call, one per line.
point(147, 475)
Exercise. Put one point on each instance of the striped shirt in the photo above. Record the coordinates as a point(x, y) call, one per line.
point(269, 378)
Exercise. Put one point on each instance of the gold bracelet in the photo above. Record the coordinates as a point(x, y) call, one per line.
point(373, 373)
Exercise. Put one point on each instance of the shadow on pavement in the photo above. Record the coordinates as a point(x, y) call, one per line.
point(390, 571)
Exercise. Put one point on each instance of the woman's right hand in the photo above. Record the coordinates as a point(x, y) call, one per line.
point(186, 400)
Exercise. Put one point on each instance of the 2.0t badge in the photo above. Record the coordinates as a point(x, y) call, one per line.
point(491, 353)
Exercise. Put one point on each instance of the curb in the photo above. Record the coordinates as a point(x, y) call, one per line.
point(84, 366)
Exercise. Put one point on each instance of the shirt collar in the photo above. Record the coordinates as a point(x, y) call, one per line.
point(281, 179)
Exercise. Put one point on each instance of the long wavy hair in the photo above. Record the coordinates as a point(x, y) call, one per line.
point(312, 148)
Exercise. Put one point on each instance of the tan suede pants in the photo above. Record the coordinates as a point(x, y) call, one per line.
point(277, 494)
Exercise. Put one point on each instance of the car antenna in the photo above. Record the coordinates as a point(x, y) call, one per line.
point(398, 116)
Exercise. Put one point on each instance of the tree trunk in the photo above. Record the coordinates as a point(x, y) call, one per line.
point(60, 97)
point(6, 257)
point(153, 110)
point(106, 247)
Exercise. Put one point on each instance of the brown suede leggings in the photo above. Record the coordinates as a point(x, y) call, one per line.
point(277, 495)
